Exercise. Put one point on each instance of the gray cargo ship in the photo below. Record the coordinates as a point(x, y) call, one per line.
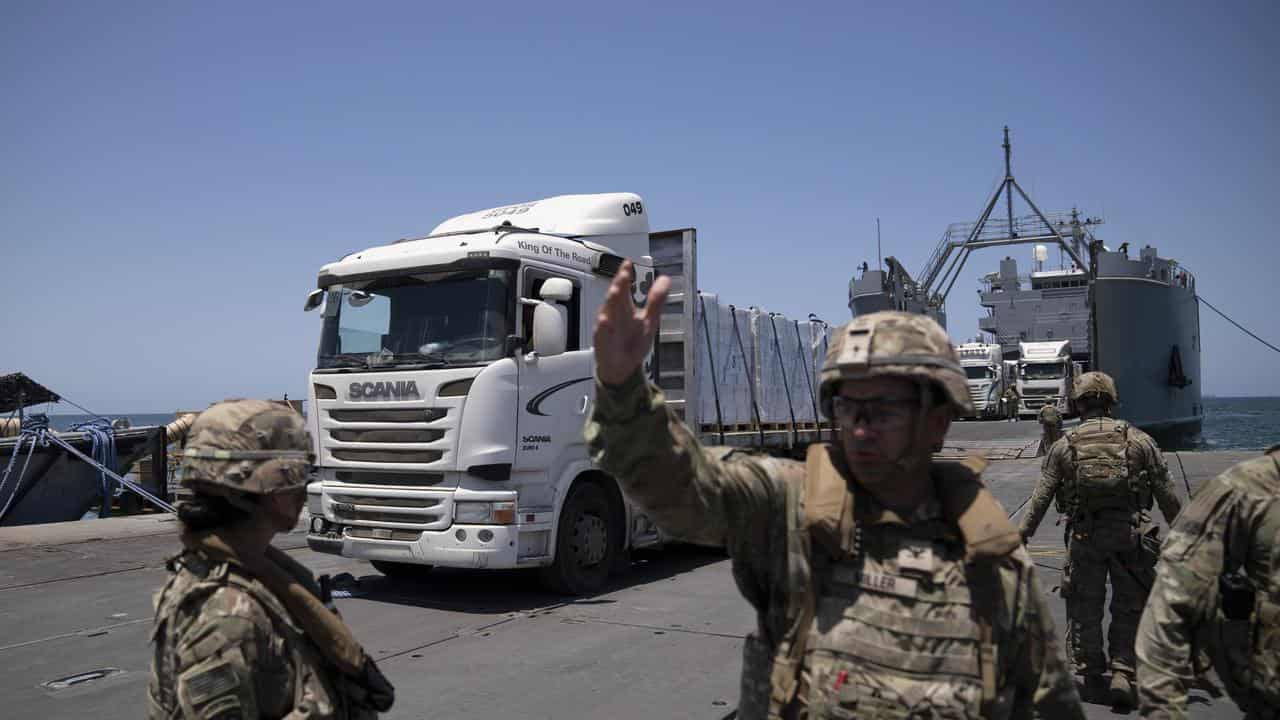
point(1135, 318)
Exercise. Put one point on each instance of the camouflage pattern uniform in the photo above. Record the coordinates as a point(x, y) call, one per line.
point(1218, 590)
point(1105, 474)
point(861, 612)
point(1051, 428)
point(227, 645)
point(1011, 402)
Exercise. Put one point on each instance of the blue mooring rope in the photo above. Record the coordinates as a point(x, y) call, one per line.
point(102, 444)
point(35, 429)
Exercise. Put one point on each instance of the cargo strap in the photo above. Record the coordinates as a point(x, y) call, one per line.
point(750, 369)
point(782, 368)
point(711, 362)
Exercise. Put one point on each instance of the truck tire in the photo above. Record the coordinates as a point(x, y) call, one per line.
point(401, 570)
point(588, 538)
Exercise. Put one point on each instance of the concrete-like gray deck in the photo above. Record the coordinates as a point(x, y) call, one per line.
point(664, 642)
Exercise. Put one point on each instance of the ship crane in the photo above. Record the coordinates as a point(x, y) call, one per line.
point(1068, 231)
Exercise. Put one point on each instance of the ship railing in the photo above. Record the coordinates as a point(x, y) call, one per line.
point(1024, 282)
point(999, 228)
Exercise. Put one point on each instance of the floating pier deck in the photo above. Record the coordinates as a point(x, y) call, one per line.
point(663, 642)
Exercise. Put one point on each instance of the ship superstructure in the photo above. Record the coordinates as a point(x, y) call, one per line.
point(1135, 318)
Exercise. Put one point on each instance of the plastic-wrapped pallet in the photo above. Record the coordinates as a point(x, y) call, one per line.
point(723, 371)
point(773, 386)
point(804, 382)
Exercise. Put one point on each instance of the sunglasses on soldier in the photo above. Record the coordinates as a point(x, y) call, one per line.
point(878, 413)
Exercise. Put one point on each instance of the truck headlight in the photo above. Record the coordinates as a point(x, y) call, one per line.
point(495, 513)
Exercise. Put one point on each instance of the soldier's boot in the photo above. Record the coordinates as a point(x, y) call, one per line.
point(1095, 688)
point(1123, 694)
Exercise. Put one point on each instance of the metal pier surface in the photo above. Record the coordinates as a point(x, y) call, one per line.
point(664, 642)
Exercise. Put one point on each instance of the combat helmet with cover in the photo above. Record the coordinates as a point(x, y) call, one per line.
point(1095, 383)
point(246, 447)
point(894, 344)
point(1049, 415)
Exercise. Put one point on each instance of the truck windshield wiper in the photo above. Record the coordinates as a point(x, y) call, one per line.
point(339, 362)
point(414, 358)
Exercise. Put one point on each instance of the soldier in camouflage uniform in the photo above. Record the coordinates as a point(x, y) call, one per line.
point(1010, 401)
point(1105, 474)
point(885, 585)
point(1050, 428)
point(1218, 590)
point(240, 629)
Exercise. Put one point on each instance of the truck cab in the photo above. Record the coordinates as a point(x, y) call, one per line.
point(1045, 376)
point(984, 371)
point(452, 381)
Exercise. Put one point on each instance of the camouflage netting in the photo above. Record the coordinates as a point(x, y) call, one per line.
point(18, 390)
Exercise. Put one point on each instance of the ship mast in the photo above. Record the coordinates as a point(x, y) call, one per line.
point(948, 259)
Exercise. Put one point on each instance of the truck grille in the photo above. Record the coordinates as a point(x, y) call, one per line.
point(409, 511)
point(417, 415)
point(386, 436)
point(394, 436)
point(1039, 392)
point(389, 478)
point(388, 456)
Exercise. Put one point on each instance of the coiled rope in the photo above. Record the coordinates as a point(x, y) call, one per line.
point(102, 448)
point(36, 433)
point(35, 429)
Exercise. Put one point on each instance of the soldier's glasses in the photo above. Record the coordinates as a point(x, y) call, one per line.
point(879, 413)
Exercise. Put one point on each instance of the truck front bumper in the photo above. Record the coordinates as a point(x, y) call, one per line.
point(461, 546)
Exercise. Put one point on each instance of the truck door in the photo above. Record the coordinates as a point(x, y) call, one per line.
point(554, 391)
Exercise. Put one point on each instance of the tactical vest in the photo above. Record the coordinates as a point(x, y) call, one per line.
point(860, 599)
point(1106, 494)
point(203, 579)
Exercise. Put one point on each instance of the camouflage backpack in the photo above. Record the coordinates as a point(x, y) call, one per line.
point(1103, 497)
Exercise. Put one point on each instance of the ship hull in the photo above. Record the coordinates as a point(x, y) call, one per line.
point(1139, 324)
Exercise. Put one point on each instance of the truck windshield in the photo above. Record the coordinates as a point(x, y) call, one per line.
point(458, 317)
point(1043, 371)
point(978, 372)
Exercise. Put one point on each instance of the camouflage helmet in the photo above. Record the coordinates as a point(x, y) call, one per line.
point(246, 447)
point(1095, 382)
point(1049, 415)
point(893, 344)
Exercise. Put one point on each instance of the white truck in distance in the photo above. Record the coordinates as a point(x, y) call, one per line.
point(983, 366)
point(1045, 376)
point(455, 374)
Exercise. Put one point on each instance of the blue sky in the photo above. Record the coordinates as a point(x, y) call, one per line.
point(173, 175)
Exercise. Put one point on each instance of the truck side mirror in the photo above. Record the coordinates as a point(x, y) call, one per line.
point(550, 323)
point(314, 298)
point(559, 289)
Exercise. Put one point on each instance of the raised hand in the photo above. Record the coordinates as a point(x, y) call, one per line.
point(624, 334)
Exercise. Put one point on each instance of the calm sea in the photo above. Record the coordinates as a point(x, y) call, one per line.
point(1240, 423)
point(1229, 423)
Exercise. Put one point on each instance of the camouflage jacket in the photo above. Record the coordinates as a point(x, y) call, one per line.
point(1217, 591)
point(1144, 461)
point(739, 501)
point(225, 647)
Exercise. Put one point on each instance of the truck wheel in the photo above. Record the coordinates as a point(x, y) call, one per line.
point(587, 542)
point(400, 570)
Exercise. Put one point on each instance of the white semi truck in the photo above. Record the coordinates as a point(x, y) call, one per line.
point(1045, 375)
point(455, 373)
point(984, 370)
